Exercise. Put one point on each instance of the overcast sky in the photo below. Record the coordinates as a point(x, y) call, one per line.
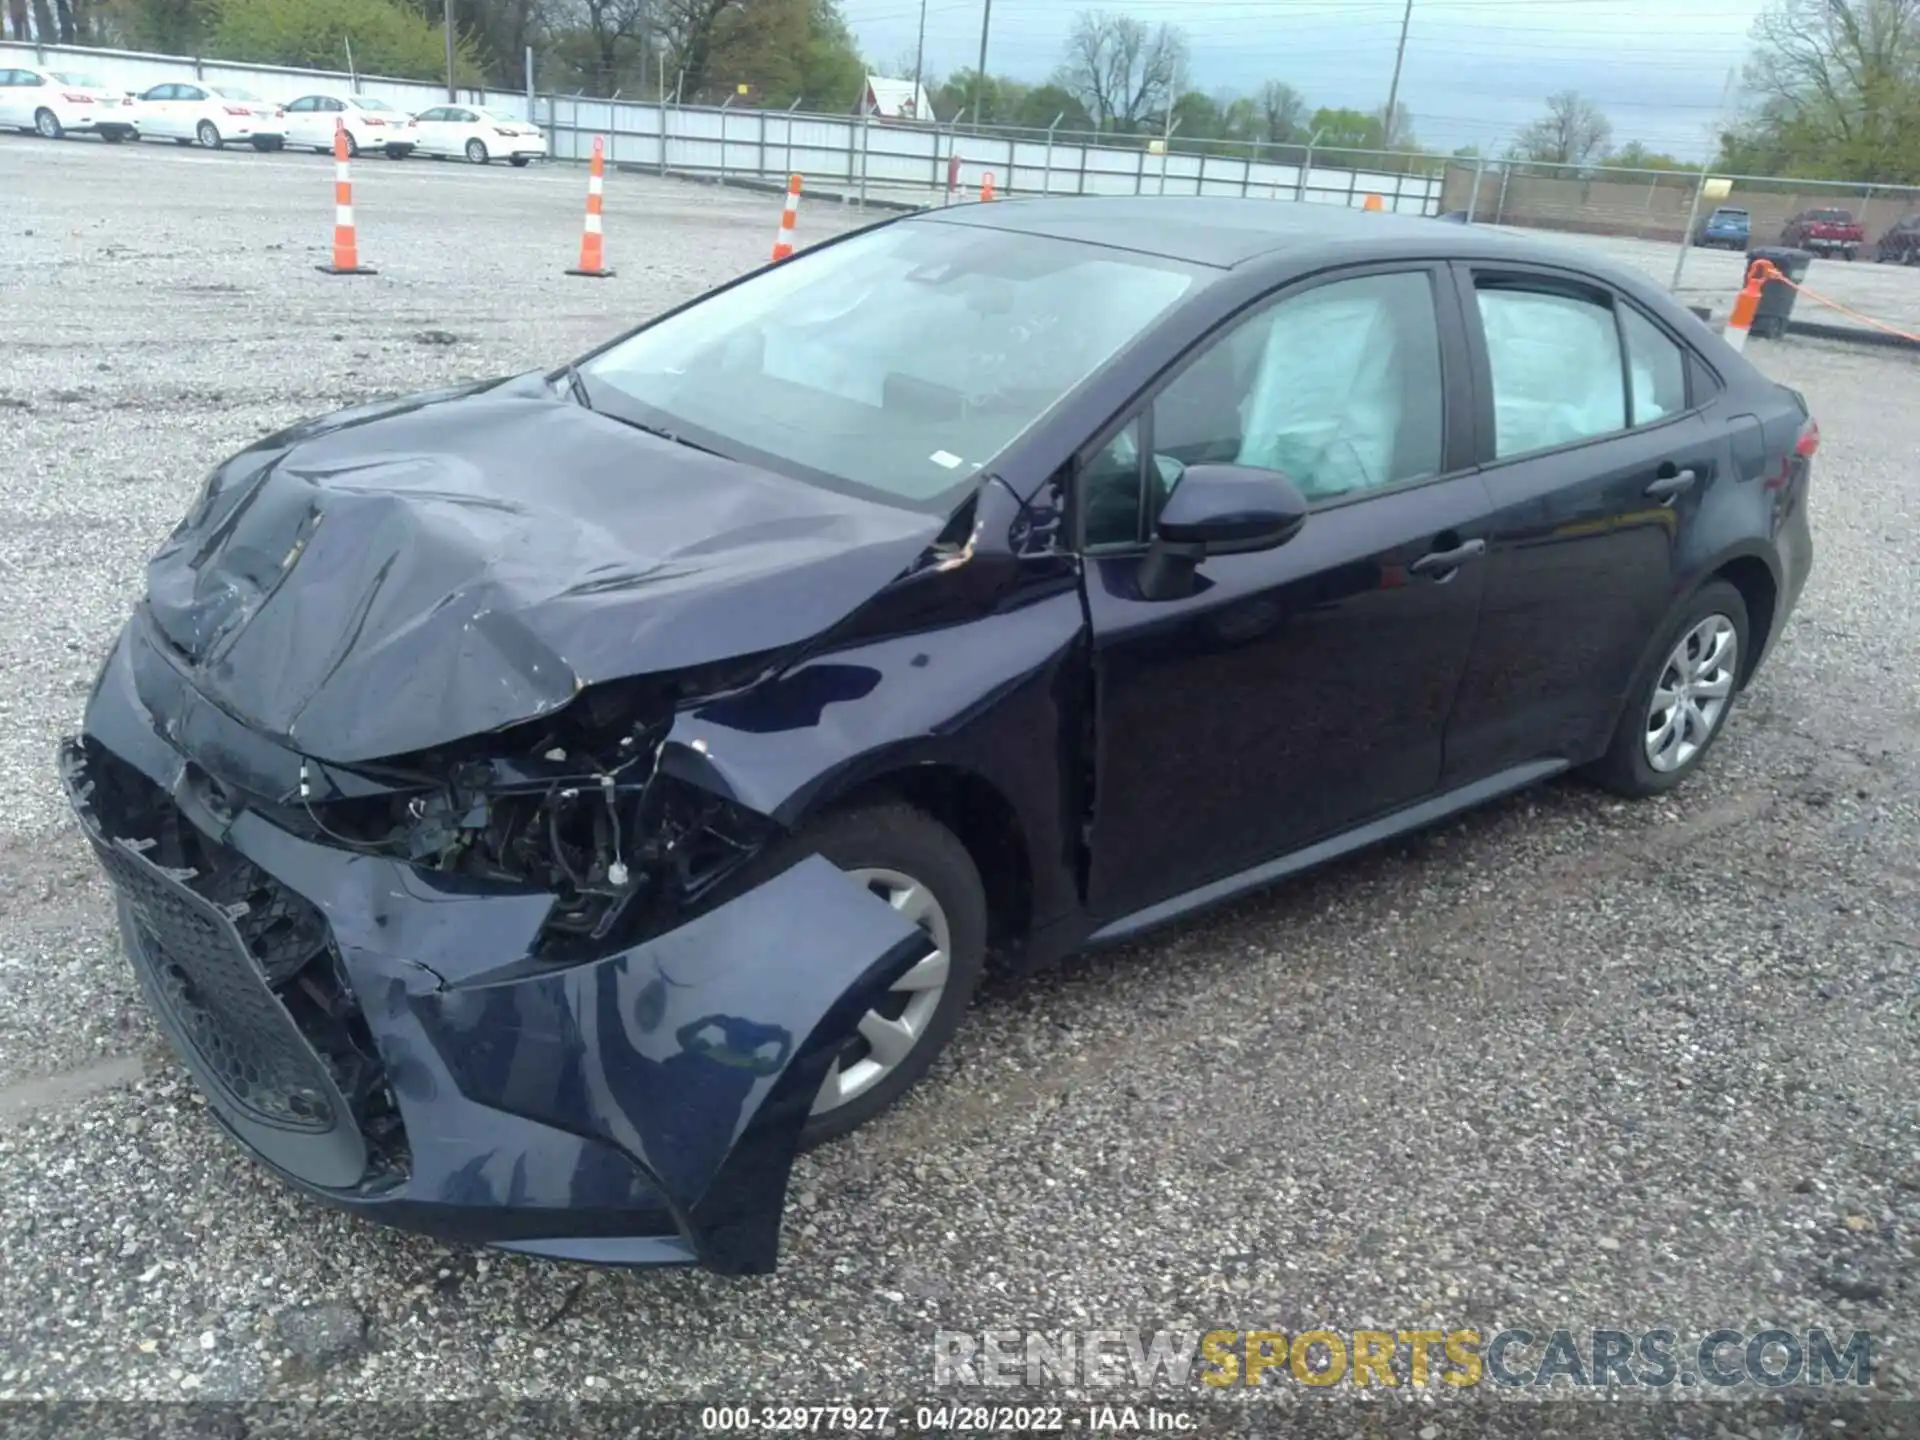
point(1475, 69)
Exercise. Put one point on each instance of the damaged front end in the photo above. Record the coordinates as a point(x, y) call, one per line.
point(516, 989)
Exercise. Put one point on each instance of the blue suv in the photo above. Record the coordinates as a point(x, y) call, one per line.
point(1724, 227)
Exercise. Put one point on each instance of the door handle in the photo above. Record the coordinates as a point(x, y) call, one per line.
point(1669, 487)
point(1445, 562)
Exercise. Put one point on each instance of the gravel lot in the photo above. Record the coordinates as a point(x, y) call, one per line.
point(1564, 1062)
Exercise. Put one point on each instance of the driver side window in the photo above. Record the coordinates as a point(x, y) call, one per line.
point(1338, 387)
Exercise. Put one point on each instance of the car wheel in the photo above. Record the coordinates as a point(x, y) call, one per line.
point(113, 135)
point(477, 151)
point(1681, 697)
point(208, 134)
point(919, 867)
point(262, 144)
point(48, 124)
point(520, 162)
point(353, 147)
point(399, 152)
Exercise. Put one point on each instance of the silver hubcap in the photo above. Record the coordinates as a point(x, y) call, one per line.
point(48, 125)
point(1692, 695)
point(887, 1033)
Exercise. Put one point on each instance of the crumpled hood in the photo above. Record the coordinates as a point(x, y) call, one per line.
point(405, 575)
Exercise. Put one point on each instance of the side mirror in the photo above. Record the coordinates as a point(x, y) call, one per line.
point(1218, 510)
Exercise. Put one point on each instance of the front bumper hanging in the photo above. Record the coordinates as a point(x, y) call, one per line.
point(380, 1036)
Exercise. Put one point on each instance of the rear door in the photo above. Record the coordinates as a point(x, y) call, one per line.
point(432, 130)
point(1597, 458)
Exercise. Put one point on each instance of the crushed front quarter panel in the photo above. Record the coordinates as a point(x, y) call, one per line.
point(643, 1108)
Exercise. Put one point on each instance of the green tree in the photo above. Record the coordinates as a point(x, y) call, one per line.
point(1838, 87)
point(1197, 116)
point(1635, 156)
point(1041, 105)
point(387, 38)
point(1345, 129)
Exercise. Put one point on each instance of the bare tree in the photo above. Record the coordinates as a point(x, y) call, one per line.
point(1282, 108)
point(1574, 131)
point(1121, 70)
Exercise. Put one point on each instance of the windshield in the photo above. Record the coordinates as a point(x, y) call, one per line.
point(234, 92)
point(367, 102)
point(77, 78)
point(900, 361)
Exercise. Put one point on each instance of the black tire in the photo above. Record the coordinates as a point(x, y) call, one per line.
point(399, 152)
point(113, 135)
point(520, 162)
point(894, 836)
point(263, 143)
point(477, 152)
point(1624, 769)
point(209, 136)
point(353, 147)
point(47, 124)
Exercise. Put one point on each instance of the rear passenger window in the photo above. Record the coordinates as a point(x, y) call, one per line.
point(1557, 376)
point(1656, 368)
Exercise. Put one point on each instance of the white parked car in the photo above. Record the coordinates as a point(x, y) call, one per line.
point(479, 134)
point(371, 124)
point(55, 102)
point(210, 115)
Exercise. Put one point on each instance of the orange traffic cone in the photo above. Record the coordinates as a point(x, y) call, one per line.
point(986, 187)
point(593, 254)
point(346, 248)
point(1372, 202)
point(1740, 322)
point(789, 215)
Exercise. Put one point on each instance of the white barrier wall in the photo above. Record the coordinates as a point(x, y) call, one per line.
point(773, 144)
point(842, 150)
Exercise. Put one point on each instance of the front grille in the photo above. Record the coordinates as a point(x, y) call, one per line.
point(202, 972)
point(242, 966)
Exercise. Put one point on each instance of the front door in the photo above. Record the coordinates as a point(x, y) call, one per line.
point(1302, 690)
point(1597, 459)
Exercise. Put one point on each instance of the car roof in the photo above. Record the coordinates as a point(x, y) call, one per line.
point(1227, 232)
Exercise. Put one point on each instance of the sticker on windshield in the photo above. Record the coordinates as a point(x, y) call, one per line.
point(944, 458)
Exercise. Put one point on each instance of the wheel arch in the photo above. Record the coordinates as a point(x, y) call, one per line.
point(976, 810)
point(1759, 586)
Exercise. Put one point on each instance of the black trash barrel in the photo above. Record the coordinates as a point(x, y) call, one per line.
point(1776, 299)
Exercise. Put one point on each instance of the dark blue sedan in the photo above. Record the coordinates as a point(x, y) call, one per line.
point(538, 809)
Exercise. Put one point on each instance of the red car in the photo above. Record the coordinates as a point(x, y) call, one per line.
point(1825, 231)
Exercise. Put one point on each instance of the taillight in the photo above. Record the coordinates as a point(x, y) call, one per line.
point(371, 120)
point(76, 99)
point(1809, 440)
point(236, 109)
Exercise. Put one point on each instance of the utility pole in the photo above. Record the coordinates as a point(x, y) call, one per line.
point(446, 7)
point(980, 73)
point(1393, 90)
point(919, 59)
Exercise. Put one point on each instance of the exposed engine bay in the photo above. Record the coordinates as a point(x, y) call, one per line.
point(583, 803)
